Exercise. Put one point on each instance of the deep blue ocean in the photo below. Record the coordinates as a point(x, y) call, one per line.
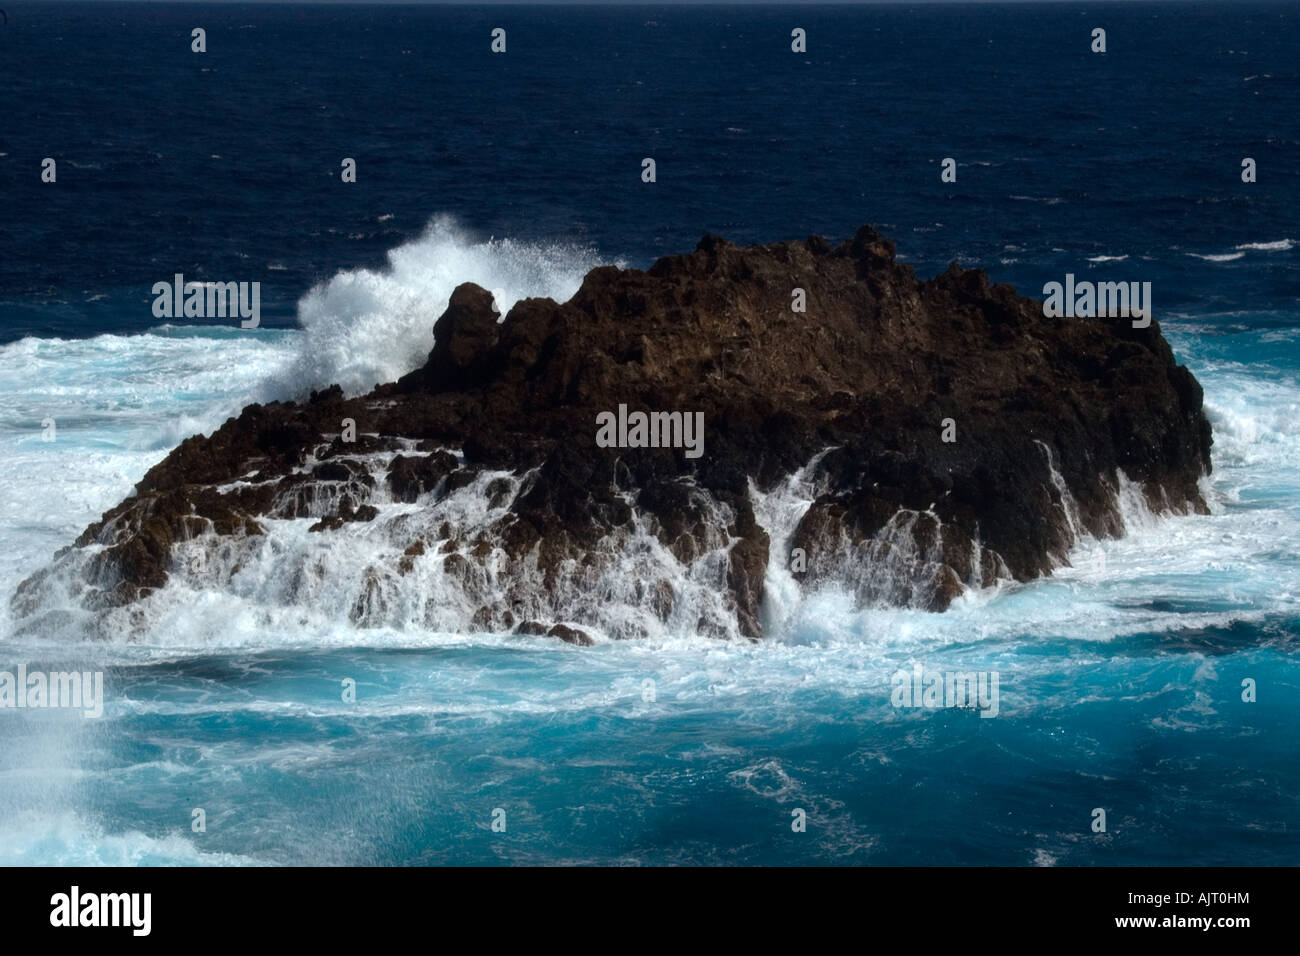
point(1121, 675)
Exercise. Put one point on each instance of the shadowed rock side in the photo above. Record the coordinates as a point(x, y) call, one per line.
point(475, 498)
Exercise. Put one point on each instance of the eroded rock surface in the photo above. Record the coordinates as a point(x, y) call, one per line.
point(475, 497)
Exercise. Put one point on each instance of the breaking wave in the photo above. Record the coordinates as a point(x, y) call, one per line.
point(362, 328)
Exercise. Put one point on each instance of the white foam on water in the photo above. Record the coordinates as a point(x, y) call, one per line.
point(113, 407)
point(778, 512)
point(1218, 257)
point(1281, 245)
point(65, 838)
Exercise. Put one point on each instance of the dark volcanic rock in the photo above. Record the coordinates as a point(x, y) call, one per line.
point(571, 635)
point(823, 454)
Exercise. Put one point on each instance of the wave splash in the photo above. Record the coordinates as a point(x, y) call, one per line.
point(363, 327)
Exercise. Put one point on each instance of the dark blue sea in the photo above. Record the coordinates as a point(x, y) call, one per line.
point(1122, 675)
